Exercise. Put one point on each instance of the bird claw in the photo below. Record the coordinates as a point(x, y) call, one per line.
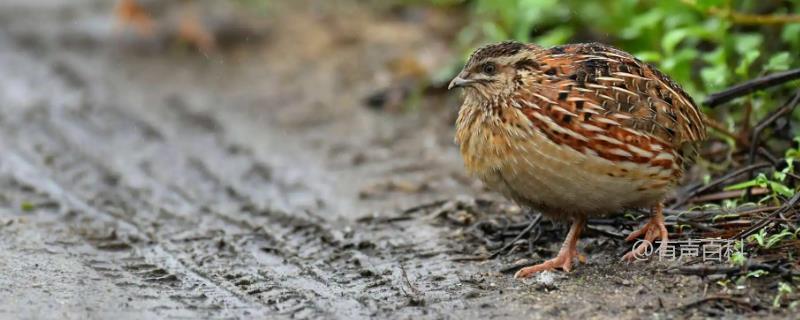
point(563, 261)
point(652, 230)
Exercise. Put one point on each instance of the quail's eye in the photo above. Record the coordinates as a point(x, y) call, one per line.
point(489, 68)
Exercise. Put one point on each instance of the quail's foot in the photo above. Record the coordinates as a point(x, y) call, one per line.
point(569, 251)
point(654, 229)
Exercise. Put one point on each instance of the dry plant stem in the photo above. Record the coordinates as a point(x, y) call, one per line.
point(534, 222)
point(748, 87)
point(746, 18)
point(722, 195)
point(717, 298)
point(754, 19)
point(748, 112)
point(763, 152)
point(716, 182)
point(713, 124)
point(788, 205)
point(786, 109)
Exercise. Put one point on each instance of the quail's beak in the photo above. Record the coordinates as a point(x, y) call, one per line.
point(459, 81)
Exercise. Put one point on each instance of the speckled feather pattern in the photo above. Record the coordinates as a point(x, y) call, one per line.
point(575, 130)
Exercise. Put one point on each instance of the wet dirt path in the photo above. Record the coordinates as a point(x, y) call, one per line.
point(178, 186)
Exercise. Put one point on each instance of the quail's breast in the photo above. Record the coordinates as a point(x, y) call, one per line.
point(524, 164)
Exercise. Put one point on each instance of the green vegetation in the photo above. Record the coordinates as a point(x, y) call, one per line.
point(705, 45)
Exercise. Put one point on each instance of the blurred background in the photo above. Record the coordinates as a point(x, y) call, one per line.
point(238, 158)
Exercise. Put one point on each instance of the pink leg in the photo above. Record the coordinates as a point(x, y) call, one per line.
point(563, 260)
point(655, 228)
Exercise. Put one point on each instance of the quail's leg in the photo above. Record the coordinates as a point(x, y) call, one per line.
point(563, 260)
point(655, 228)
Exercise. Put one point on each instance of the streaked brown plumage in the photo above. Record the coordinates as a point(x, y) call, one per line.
point(575, 131)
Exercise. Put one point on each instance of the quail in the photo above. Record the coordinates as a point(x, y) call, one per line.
point(575, 131)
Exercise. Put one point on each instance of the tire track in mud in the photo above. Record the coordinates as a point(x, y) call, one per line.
point(128, 263)
point(122, 189)
point(199, 202)
point(366, 266)
point(47, 162)
point(166, 219)
point(303, 286)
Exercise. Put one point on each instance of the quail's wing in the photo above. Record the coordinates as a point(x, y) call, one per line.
point(621, 88)
point(601, 101)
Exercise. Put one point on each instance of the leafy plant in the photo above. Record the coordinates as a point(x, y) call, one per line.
point(784, 289)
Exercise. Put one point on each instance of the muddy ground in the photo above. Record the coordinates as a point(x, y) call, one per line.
point(143, 180)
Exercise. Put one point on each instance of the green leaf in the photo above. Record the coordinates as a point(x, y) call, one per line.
point(715, 77)
point(738, 258)
point(556, 36)
point(756, 273)
point(774, 239)
point(672, 39)
point(791, 34)
point(494, 31)
point(640, 23)
point(779, 62)
point(649, 56)
point(748, 42)
point(745, 62)
point(27, 206)
point(743, 185)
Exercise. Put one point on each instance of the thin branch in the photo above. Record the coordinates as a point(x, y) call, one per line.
point(788, 205)
point(716, 182)
point(534, 222)
point(755, 19)
point(785, 109)
point(750, 86)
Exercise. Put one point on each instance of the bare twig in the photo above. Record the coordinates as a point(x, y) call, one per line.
point(716, 298)
point(604, 232)
point(716, 182)
point(416, 294)
point(534, 222)
point(785, 109)
point(713, 124)
point(755, 19)
point(788, 205)
point(747, 87)
point(722, 195)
